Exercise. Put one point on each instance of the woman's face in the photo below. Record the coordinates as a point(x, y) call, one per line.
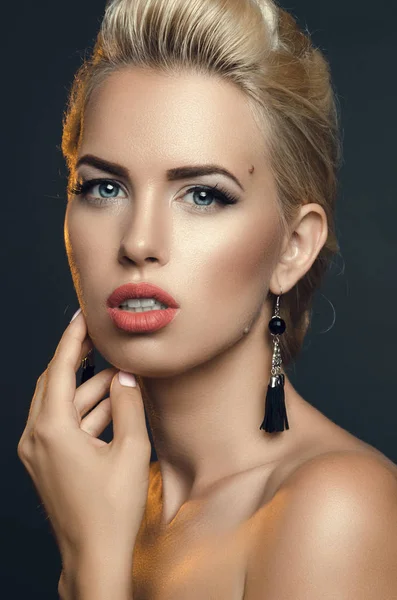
point(216, 260)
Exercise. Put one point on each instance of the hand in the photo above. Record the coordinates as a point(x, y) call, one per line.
point(94, 493)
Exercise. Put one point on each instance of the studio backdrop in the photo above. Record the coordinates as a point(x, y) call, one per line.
point(347, 368)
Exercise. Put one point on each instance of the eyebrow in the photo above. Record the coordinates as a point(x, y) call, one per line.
point(172, 174)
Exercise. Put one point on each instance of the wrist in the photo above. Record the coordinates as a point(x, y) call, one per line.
point(97, 575)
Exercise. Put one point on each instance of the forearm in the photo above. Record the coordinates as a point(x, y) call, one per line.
point(94, 577)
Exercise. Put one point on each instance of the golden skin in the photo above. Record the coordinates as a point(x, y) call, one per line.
point(205, 378)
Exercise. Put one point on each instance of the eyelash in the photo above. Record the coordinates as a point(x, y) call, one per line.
point(224, 197)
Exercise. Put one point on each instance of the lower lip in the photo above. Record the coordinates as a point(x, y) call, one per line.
point(142, 322)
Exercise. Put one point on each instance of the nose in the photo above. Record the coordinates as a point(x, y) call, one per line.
point(146, 234)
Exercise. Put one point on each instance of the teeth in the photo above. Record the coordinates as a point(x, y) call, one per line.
point(136, 302)
point(141, 310)
point(142, 305)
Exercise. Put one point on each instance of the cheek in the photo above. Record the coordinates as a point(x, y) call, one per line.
point(242, 263)
point(85, 239)
point(229, 278)
point(86, 252)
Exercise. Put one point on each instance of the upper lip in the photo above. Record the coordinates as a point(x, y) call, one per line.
point(140, 290)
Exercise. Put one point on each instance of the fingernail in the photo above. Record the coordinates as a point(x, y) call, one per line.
point(76, 314)
point(127, 379)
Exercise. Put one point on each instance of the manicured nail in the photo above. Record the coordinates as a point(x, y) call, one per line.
point(127, 379)
point(76, 314)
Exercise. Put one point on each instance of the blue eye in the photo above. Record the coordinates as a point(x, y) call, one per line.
point(205, 193)
point(109, 188)
point(105, 185)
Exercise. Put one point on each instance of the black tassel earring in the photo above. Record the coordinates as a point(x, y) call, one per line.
point(275, 411)
point(88, 367)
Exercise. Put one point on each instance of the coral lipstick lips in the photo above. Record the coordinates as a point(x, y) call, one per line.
point(140, 290)
point(141, 322)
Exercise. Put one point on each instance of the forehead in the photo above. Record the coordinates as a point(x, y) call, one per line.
point(174, 117)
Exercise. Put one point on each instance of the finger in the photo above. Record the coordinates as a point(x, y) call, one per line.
point(98, 419)
point(58, 401)
point(90, 392)
point(128, 414)
point(36, 403)
point(36, 400)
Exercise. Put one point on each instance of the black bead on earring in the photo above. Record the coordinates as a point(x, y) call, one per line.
point(275, 412)
point(88, 367)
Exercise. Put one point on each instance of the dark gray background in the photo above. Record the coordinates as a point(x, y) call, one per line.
point(347, 368)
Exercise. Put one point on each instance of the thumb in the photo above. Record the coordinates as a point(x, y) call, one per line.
point(128, 412)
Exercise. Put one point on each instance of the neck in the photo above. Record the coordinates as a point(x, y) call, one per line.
point(205, 422)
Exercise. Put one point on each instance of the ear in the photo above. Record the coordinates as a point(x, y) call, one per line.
point(300, 247)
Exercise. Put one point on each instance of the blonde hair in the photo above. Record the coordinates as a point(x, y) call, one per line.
point(258, 47)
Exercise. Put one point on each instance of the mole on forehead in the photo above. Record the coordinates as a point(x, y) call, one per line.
point(251, 170)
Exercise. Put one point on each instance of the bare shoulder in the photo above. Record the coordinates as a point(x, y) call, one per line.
point(339, 488)
point(329, 531)
point(344, 470)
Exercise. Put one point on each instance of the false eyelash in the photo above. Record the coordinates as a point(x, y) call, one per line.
point(231, 198)
point(224, 196)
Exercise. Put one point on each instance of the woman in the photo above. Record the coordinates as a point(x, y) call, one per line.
point(202, 142)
